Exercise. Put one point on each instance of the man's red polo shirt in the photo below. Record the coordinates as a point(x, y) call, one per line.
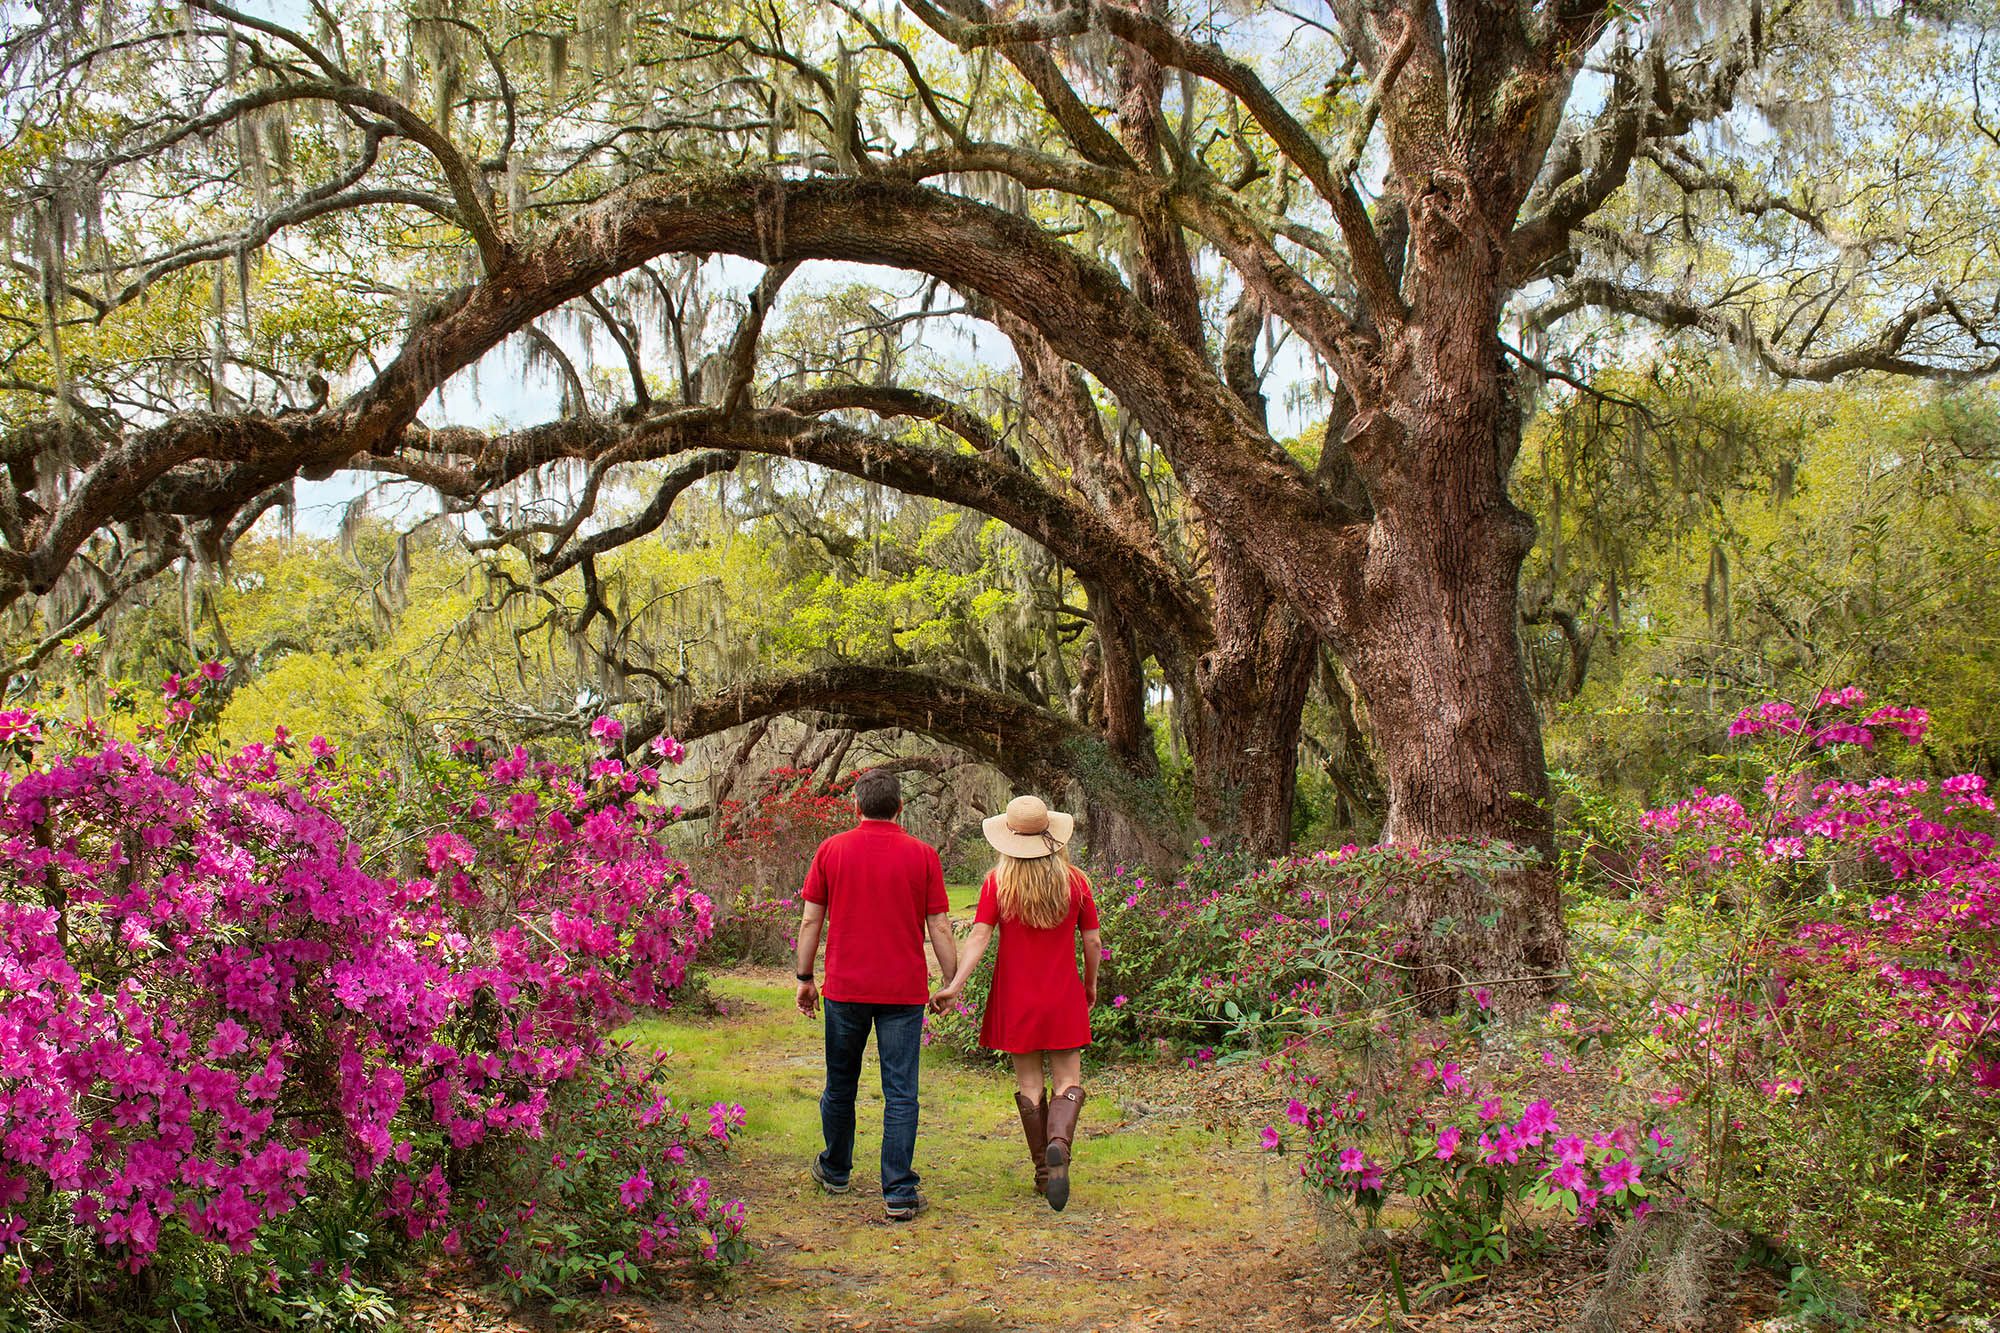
point(878, 884)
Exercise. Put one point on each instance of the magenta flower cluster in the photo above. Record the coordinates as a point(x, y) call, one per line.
point(210, 994)
point(1911, 951)
point(1464, 1154)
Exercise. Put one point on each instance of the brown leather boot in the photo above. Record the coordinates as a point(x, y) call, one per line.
point(1062, 1130)
point(1035, 1128)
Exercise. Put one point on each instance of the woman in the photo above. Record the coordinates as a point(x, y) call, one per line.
point(1039, 1005)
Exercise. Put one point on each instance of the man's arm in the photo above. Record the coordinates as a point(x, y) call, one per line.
point(943, 943)
point(807, 954)
point(937, 916)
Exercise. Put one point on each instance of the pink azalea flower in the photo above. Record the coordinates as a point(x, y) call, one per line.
point(1619, 1174)
point(229, 1038)
point(18, 724)
point(1448, 1142)
point(1538, 1118)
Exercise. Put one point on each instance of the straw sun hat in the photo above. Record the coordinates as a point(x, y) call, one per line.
point(1028, 829)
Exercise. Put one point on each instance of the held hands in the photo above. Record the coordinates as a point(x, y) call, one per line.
point(808, 1000)
point(1090, 993)
point(945, 997)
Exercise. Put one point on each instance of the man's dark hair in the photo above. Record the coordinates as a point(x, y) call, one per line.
point(879, 794)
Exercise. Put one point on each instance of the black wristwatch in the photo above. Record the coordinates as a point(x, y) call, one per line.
point(803, 976)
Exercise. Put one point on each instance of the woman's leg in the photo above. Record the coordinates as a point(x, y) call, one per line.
point(1031, 1099)
point(1067, 1074)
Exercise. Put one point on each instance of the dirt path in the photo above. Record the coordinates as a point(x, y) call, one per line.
point(1171, 1223)
point(1178, 1219)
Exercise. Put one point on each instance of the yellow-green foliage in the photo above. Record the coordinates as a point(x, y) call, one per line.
point(1753, 542)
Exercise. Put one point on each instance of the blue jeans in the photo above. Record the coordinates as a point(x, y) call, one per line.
point(899, 1030)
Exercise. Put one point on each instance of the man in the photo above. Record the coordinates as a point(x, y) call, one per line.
point(879, 892)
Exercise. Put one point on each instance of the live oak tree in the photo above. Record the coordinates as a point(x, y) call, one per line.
point(220, 222)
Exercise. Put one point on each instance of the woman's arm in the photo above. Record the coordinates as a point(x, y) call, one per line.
point(968, 959)
point(1093, 954)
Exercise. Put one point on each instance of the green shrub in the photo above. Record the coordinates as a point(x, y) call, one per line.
point(1235, 954)
point(756, 926)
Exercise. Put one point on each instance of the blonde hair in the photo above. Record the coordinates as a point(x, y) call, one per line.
point(1035, 892)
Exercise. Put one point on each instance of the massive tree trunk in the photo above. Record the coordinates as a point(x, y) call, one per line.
point(1249, 700)
point(1438, 664)
point(1430, 635)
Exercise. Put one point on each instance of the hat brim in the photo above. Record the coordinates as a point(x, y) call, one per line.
point(1029, 846)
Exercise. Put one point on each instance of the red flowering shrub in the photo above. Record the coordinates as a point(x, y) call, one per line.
point(226, 1027)
point(757, 863)
point(1811, 973)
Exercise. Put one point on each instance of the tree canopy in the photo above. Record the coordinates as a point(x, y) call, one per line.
point(245, 252)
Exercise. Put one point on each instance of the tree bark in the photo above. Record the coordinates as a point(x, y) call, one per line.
point(1432, 640)
point(1126, 817)
point(1249, 702)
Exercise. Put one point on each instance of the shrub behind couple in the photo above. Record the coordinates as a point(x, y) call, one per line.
point(878, 892)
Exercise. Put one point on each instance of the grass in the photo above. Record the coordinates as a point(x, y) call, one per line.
point(1158, 1195)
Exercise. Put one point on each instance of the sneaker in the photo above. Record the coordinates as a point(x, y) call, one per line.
point(826, 1182)
point(903, 1210)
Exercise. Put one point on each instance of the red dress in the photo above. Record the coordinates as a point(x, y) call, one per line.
point(1037, 1002)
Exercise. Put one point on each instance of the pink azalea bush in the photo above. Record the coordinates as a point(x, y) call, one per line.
point(1812, 975)
point(612, 1185)
point(1483, 1170)
point(251, 997)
